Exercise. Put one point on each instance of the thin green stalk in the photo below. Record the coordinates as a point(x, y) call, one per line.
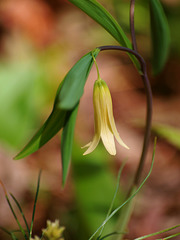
point(96, 66)
point(12, 210)
point(35, 201)
point(21, 211)
point(133, 36)
point(129, 198)
point(149, 106)
point(5, 230)
point(9, 233)
point(159, 232)
point(147, 133)
point(172, 236)
point(108, 235)
point(115, 194)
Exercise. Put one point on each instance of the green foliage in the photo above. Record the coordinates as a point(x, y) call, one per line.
point(64, 112)
point(160, 35)
point(67, 141)
point(97, 12)
point(133, 193)
point(26, 234)
point(94, 189)
point(35, 202)
point(169, 133)
point(74, 81)
point(52, 125)
point(160, 232)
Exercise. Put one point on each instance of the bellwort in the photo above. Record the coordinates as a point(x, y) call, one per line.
point(104, 123)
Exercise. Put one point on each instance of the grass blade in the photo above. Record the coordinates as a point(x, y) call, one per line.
point(35, 201)
point(12, 210)
point(108, 235)
point(131, 197)
point(21, 211)
point(156, 233)
point(9, 233)
point(5, 230)
point(172, 236)
point(115, 194)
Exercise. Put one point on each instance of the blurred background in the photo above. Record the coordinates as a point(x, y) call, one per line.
point(40, 40)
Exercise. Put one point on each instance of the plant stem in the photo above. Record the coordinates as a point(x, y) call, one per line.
point(125, 215)
point(148, 103)
point(98, 74)
point(133, 37)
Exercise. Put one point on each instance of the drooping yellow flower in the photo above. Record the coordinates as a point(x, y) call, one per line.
point(104, 123)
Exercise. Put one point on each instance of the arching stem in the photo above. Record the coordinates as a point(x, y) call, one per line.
point(148, 106)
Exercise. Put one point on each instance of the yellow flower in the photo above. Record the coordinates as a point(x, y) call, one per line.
point(105, 127)
point(53, 231)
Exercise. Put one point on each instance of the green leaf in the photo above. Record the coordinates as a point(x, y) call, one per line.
point(160, 36)
point(97, 12)
point(74, 81)
point(52, 125)
point(171, 134)
point(67, 97)
point(67, 141)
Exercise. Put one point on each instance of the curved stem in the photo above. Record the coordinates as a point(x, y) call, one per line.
point(148, 103)
point(98, 74)
point(133, 37)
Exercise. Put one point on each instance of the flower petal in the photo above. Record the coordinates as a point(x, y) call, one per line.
point(113, 125)
point(116, 134)
point(92, 145)
point(106, 133)
point(108, 140)
point(87, 145)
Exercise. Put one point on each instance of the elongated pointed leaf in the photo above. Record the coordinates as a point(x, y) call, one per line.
point(67, 97)
point(97, 12)
point(67, 141)
point(74, 81)
point(52, 125)
point(160, 36)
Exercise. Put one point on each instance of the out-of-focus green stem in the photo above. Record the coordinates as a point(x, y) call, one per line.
point(133, 36)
